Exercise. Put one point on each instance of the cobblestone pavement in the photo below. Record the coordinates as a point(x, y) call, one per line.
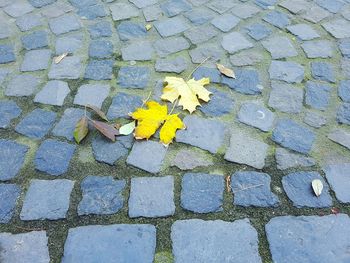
point(234, 187)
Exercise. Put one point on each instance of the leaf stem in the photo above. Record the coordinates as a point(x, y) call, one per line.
point(205, 60)
point(144, 101)
point(172, 109)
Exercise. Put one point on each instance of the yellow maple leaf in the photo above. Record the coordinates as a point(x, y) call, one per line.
point(149, 120)
point(188, 91)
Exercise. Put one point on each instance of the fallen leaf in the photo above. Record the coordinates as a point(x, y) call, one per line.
point(317, 186)
point(59, 58)
point(148, 27)
point(127, 128)
point(187, 91)
point(226, 71)
point(81, 129)
point(149, 120)
point(107, 130)
point(98, 112)
point(335, 210)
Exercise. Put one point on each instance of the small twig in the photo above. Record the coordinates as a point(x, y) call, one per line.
point(144, 101)
point(172, 109)
point(228, 182)
point(249, 187)
point(205, 60)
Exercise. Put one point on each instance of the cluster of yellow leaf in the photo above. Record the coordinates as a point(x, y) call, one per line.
point(149, 120)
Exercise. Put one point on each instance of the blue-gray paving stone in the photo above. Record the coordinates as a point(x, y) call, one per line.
point(286, 159)
point(315, 14)
point(341, 137)
point(247, 81)
point(344, 46)
point(64, 24)
point(322, 71)
point(202, 193)
point(345, 66)
point(129, 30)
point(343, 113)
point(33, 247)
point(339, 28)
point(147, 155)
point(245, 10)
point(107, 243)
point(109, 152)
point(338, 176)
point(196, 240)
point(277, 19)
point(177, 65)
point(193, 135)
point(99, 69)
point(256, 115)
point(219, 104)
point(122, 104)
point(22, 85)
point(18, 8)
point(174, 7)
point(36, 124)
point(303, 31)
point(53, 157)
point(9, 110)
point(225, 22)
point(293, 136)
point(65, 127)
point(92, 12)
point(7, 54)
point(69, 68)
point(151, 197)
point(171, 26)
point(69, 44)
point(36, 60)
point(314, 119)
point(280, 47)
point(266, 4)
point(201, 52)
point(121, 11)
point(200, 34)
point(286, 98)
point(343, 90)
point(12, 156)
point(258, 31)
point(47, 199)
point(170, 45)
point(4, 72)
point(102, 195)
point(28, 22)
point(204, 72)
point(41, 3)
point(220, 6)
point(138, 51)
point(333, 6)
point(37, 39)
point(299, 244)
point(83, 3)
point(317, 95)
point(252, 189)
point(290, 72)
point(100, 29)
point(133, 77)
point(92, 94)
point(152, 13)
point(9, 194)
point(234, 42)
point(299, 190)
point(101, 49)
point(318, 49)
point(53, 93)
point(199, 16)
point(142, 3)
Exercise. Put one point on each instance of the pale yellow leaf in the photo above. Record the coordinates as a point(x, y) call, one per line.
point(317, 186)
point(127, 128)
point(148, 27)
point(226, 71)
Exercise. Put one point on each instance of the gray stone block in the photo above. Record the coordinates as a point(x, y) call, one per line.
point(318, 49)
point(36, 60)
point(121, 11)
point(69, 44)
point(53, 93)
point(18, 8)
point(290, 72)
point(303, 31)
point(69, 68)
point(171, 26)
point(165, 47)
point(129, 30)
point(29, 21)
point(225, 22)
point(174, 7)
point(280, 47)
point(338, 176)
point(188, 160)
point(247, 81)
point(99, 69)
point(22, 85)
point(339, 28)
point(93, 94)
point(278, 19)
point(234, 42)
point(65, 127)
point(7, 54)
point(139, 51)
point(220, 104)
point(133, 77)
point(314, 119)
point(176, 65)
point(8, 111)
point(64, 24)
point(258, 31)
point(286, 159)
point(9, 194)
point(341, 137)
point(286, 98)
point(122, 104)
point(200, 34)
point(317, 95)
point(37, 39)
point(101, 49)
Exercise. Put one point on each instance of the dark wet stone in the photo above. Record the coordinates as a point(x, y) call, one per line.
point(225, 22)
point(252, 189)
point(36, 124)
point(219, 104)
point(41, 3)
point(212, 73)
point(303, 31)
point(211, 140)
point(7, 54)
point(277, 19)
point(129, 30)
point(27, 247)
point(122, 104)
point(286, 159)
point(101, 49)
point(126, 243)
point(151, 197)
point(35, 60)
point(99, 69)
point(315, 120)
point(53, 157)
point(247, 81)
point(344, 90)
point(343, 113)
point(338, 176)
point(147, 155)
point(309, 238)
point(202, 193)
point(64, 24)
point(299, 190)
point(69, 43)
point(100, 29)
point(165, 47)
point(317, 95)
point(102, 195)
point(133, 77)
point(290, 72)
point(286, 98)
point(171, 26)
point(53, 93)
point(12, 156)
point(9, 194)
point(22, 85)
point(293, 136)
point(258, 31)
point(318, 49)
point(196, 240)
point(341, 137)
point(109, 152)
point(8, 111)
point(234, 42)
point(47, 199)
point(280, 47)
point(174, 7)
point(322, 71)
point(68, 68)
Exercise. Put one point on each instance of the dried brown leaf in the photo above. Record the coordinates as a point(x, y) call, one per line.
point(98, 112)
point(226, 71)
point(81, 129)
point(107, 130)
